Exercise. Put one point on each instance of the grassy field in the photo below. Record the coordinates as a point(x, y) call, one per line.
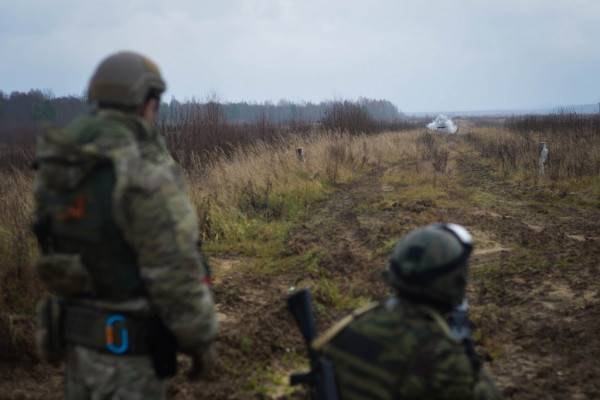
point(271, 223)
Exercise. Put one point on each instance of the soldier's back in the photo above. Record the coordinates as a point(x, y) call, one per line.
point(400, 350)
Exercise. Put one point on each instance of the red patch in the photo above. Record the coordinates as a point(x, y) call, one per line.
point(76, 211)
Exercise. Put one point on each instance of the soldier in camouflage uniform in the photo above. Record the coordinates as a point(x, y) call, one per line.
point(119, 241)
point(405, 348)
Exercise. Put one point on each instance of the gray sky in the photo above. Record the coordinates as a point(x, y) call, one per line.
point(424, 55)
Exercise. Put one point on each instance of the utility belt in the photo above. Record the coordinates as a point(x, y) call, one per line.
point(112, 332)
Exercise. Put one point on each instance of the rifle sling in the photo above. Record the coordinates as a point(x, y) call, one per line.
point(330, 333)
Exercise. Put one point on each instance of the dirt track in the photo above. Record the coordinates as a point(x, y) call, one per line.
point(533, 293)
point(534, 296)
point(536, 304)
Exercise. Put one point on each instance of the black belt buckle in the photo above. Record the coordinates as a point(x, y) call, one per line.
point(116, 327)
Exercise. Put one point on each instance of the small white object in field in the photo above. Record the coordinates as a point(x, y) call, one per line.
point(442, 123)
point(300, 154)
point(543, 157)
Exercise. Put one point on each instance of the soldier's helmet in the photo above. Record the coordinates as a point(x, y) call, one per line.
point(125, 79)
point(430, 264)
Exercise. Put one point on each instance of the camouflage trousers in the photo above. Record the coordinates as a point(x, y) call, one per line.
point(92, 375)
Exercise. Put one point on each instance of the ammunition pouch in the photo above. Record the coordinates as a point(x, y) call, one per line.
point(121, 333)
point(65, 275)
point(49, 333)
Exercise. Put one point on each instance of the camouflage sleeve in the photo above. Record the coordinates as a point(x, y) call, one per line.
point(445, 372)
point(161, 224)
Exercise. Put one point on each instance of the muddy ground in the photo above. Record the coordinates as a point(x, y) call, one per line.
point(534, 290)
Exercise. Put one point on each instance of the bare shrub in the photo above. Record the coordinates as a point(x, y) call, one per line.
point(428, 145)
point(258, 201)
point(348, 117)
point(440, 160)
point(434, 151)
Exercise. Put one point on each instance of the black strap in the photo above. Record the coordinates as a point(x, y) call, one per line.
point(472, 355)
point(421, 277)
point(42, 228)
point(416, 300)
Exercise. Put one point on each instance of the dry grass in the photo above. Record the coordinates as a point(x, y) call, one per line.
point(268, 182)
point(331, 157)
point(202, 130)
point(249, 197)
point(573, 155)
point(18, 289)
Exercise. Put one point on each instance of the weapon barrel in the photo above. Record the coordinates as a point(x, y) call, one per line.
point(300, 305)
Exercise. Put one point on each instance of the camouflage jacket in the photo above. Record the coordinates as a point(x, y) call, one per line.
point(400, 350)
point(150, 209)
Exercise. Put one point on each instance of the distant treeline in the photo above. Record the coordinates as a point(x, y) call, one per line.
point(37, 106)
point(282, 112)
point(194, 130)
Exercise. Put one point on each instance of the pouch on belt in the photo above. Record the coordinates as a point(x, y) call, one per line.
point(49, 334)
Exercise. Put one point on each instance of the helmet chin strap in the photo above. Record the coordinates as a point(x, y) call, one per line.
point(438, 305)
point(148, 110)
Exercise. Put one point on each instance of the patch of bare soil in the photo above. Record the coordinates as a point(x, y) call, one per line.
point(348, 238)
point(257, 331)
point(537, 306)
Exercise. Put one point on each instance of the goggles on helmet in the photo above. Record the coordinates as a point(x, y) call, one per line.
point(460, 233)
point(462, 236)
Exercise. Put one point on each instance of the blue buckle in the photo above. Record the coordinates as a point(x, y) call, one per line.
point(109, 334)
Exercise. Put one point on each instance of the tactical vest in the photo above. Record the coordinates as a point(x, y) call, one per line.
point(80, 221)
point(364, 365)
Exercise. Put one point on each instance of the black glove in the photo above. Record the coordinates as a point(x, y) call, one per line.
point(202, 360)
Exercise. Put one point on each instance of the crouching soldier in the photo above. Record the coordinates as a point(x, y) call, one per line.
point(417, 344)
point(119, 245)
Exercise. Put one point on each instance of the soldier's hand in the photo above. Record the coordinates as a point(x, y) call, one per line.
point(202, 360)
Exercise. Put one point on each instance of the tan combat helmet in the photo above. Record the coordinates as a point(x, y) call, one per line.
point(125, 79)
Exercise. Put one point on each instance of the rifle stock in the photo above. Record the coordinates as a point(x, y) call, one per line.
point(321, 377)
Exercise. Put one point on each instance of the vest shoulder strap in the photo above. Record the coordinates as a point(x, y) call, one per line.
point(440, 321)
point(330, 333)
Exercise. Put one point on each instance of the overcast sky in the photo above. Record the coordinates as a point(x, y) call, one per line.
point(424, 55)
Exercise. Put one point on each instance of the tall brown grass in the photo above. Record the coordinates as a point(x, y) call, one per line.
point(200, 132)
point(19, 287)
point(252, 176)
point(17, 246)
point(573, 153)
point(17, 145)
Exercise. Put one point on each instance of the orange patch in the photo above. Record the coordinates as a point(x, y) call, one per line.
point(109, 335)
